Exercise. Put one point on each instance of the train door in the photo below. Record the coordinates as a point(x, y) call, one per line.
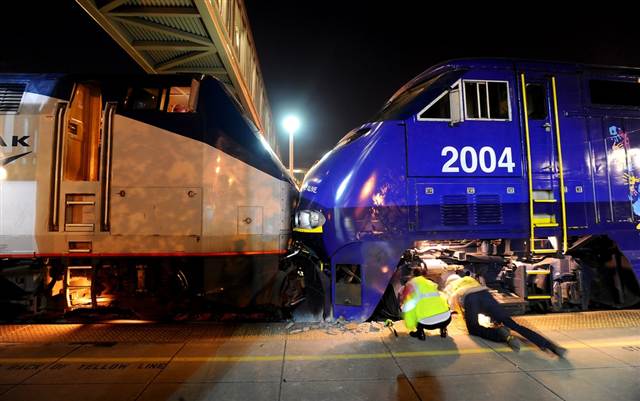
point(544, 160)
point(75, 188)
point(76, 166)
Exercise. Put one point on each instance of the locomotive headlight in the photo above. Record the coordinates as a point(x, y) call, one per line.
point(309, 220)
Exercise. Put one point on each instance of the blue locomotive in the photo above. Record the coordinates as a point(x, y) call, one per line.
point(524, 174)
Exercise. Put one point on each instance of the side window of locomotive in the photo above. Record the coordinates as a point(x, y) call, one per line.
point(183, 99)
point(536, 102)
point(487, 100)
point(440, 108)
point(142, 99)
point(615, 93)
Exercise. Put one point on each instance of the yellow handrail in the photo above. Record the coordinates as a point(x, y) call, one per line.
point(527, 138)
point(560, 167)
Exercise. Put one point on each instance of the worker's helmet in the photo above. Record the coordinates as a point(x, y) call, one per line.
point(451, 279)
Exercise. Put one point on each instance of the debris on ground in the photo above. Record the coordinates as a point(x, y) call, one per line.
point(340, 326)
point(375, 327)
point(351, 326)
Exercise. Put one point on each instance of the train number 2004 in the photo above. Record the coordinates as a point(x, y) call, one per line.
point(470, 159)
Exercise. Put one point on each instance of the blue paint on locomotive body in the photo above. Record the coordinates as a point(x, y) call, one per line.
point(404, 178)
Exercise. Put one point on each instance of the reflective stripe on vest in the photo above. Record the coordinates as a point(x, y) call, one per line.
point(413, 302)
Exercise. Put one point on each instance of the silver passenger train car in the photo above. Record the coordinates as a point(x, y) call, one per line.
point(140, 193)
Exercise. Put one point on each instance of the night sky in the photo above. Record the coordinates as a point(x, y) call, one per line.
point(333, 64)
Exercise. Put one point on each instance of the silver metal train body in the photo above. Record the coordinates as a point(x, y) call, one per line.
point(135, 191)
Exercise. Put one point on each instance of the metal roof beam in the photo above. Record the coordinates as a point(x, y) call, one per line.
point(163, 67)
point(199, 70)
point(146, 45)
point(112, 5)
point(90, 7)
point(165, 29)
point(155, 12)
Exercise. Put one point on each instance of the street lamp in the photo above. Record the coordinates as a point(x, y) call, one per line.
point(291, 124)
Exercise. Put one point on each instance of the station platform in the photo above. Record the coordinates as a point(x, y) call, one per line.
point(345, 361)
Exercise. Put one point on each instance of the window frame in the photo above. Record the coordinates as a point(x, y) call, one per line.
point(545, 100)
point(437, 99)
point(485, 81)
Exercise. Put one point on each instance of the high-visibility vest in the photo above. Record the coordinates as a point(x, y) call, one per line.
point(463, 284)
point(458, 288)
point(422, 302)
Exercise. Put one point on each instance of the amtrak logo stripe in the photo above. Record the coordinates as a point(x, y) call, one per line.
point(11, 159)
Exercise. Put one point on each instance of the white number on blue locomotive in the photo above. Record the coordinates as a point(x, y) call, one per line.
point(470, 160)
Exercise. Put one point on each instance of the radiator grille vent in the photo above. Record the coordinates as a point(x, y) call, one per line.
point(454, 210)
point(10, 97)
point(488, 209)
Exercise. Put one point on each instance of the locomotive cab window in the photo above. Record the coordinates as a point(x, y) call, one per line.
point(183, 99)
point(440, 108)
point(142, 99)
point(487, 100)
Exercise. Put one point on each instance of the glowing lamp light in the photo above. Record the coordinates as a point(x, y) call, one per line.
point(291, 124)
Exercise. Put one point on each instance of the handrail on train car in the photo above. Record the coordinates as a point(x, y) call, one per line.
point(525, 117)
point(560, 167)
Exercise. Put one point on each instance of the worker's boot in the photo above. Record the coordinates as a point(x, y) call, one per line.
point(443, 332)
point(514, 343)
point(511, 340)
point(419, 334)
point(504, 331)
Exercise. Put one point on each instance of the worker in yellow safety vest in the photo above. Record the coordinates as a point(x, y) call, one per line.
point(469, 297)
point(423, 306)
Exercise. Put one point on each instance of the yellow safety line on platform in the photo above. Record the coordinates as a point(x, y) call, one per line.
point(326, 357)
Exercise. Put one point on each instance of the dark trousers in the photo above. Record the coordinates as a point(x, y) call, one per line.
point(482, 302)
point(441, 325)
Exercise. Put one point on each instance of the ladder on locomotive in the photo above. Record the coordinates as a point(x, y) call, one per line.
point(543, 204)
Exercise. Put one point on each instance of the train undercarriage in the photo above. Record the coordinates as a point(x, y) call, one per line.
point(138, 288)
point(592, 274)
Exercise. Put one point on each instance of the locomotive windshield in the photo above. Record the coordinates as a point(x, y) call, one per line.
point(411, 99)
